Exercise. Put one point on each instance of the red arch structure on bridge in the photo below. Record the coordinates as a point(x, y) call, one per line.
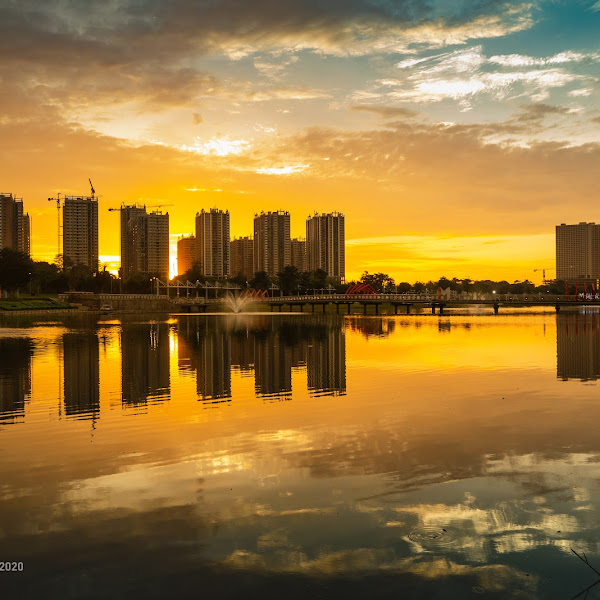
point(361, 288)
point(254, 294)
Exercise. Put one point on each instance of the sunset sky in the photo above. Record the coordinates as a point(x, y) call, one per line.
point(453, 134)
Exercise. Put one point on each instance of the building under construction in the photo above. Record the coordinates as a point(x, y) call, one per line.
point(80, 232)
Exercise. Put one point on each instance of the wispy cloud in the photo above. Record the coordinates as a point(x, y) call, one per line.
point(284, 93)
point(273, 66)
point(386, 112)
point(464, 74)
point(217, 146)
point(289, 170)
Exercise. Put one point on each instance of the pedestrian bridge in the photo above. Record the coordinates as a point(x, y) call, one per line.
point(403, 302)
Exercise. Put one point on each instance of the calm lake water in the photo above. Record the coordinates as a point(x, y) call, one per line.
point(300, 456)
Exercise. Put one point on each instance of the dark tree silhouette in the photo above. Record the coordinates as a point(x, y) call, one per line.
point(289, 279)
point(16, 269)
point(260, 281)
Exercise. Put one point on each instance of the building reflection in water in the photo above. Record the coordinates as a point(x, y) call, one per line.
point(380, 327)
point(271, 348)
point(242, 351)
point(578, 346)
point(145, 363)
point(273, 367)
point(204, 348)
point(81, 374)
point(15, 377)
point(326, 363)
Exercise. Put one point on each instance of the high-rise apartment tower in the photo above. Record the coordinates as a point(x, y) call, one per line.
point(15, 226)
point(578, 252)
point(186, 253)
point(325, 244)
point(131, 257)
point(157, 236)
point(212, 242)
point(272, 244)
point(144, 242)
point(80, 231)
point(299, 254)
point(242, 257)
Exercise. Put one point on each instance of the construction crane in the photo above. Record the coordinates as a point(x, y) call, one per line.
point(57, 200)
point(159, 206)
point(543, 270)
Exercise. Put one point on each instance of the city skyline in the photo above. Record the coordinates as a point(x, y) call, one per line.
point(453, 136)
point(146, 245)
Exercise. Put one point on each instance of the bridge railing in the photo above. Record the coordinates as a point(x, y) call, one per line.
point(394, 298)
point(352, 298)
point(487, 298)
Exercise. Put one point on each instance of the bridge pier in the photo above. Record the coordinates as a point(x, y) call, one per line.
point(440, 305)
point(376, 309)
point(557, 307)
point(312, 306)
point(407, 308)
point(337, 308)
point(496, 308)
point(364, 308)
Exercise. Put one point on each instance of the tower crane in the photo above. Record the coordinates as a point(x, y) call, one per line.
point(57, 200)
point(543, 270)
